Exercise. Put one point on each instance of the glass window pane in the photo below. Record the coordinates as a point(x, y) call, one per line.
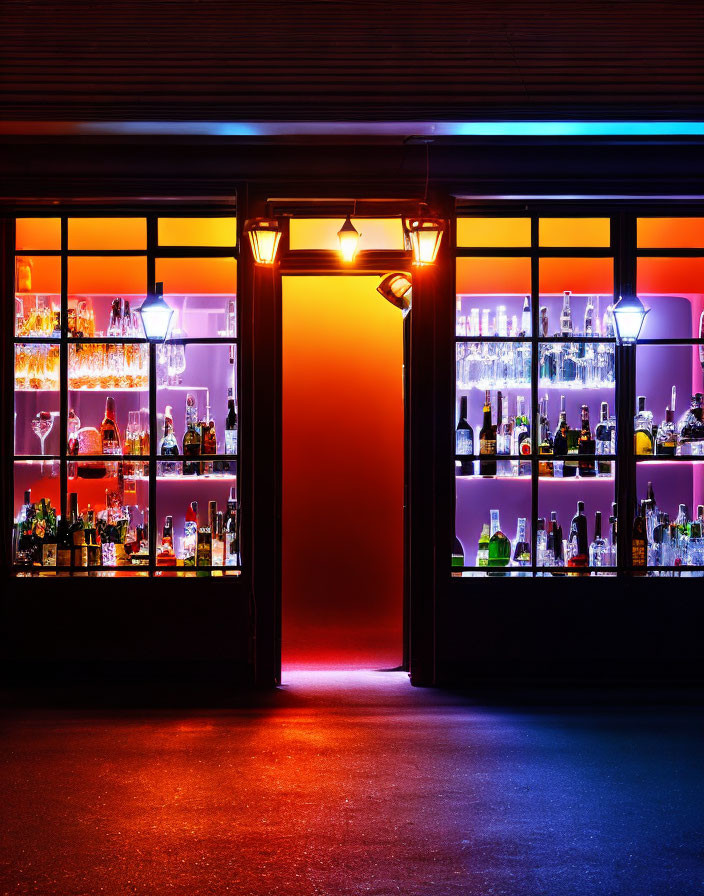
point(104, 294)
point(493, 276)
point(37, 295)
point(37, 233)
point(676, 521)
point(670, 233)
point(476, 499)
point(489, 232)
point(197, 231)
point(37, 399)
point(671, 288)
point(107, 233)
point(112, 498)
point(35, 521)
point(321, 233)
point(579, 275)
point(203, 294)
point(583, 232)
point(197, 392)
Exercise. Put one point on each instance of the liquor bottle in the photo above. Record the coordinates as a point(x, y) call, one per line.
point(690, 430)
point(586, 446)
point(63, 545)
point(499, 545)
point(598, 549)
point(544, 325)
point(209, 445)
point(487, 441)
point(24, 532)
point(166, 557)
point(554, 552)
point(545, 448)
point(464, 442)
point(578, 539)
point(566, 315)
point(73, 425)
point(521, 437)
point(232, 545)
point(502, 440)
point(560, 444)
point(218, 539)
point(457, 558)
point(168, 446)
point(521, 546)
point(589, 317)
point(483, 546)
point(110, 436)
point(231, 425)
point(191, 439)
point(190, 535)
point(643, 429)
point(79, 551)
point(525, 317)
point(613, 547)
point(541, 542)
point(204, 551)
point(604, 433)
point(639, 541)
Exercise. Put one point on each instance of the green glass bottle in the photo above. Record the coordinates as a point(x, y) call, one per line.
point(483, 547)
point(499, 544)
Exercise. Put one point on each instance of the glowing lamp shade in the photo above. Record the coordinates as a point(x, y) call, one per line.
point(397, 289)
point(425, 235)
point(629, 315)
point(264, 236)
point(156, 315)
point(348, 237)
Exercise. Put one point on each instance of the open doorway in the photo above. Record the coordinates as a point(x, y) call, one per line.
point(343, 474)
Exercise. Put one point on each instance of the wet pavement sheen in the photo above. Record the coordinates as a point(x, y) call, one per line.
point(354, 783)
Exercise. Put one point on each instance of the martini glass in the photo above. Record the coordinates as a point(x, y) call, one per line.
point(42, 425)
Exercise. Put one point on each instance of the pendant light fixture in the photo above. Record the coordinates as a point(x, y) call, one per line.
point(424, 232)
point(629, 314)
point(156, 315)
point(264, 235)
point(397, 288)
point(425, 235)
point(348, 237)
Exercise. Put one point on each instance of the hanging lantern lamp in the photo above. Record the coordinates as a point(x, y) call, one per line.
point(264, 235)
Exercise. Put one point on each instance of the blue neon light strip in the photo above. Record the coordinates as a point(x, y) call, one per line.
point(365, 128)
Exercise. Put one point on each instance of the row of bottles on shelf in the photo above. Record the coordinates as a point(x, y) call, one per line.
point(572, 364)
point(200, 438)
point(118, 536)
point(103, 365)
point(561, 365)
point(658, 541)
point(484, 323)
point(496, 551)
point(512, 436)
point(669, 438)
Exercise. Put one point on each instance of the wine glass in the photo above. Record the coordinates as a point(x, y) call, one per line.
point(42, 425)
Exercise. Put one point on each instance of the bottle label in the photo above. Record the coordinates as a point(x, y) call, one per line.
point(487, 446)
point(639, 553)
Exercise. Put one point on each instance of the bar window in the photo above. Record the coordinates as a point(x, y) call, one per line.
point(99, 492)
point(37, 233)
point(115, 234)
point(670, 233)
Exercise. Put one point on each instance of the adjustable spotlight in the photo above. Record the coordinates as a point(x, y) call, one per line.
point(397, 289)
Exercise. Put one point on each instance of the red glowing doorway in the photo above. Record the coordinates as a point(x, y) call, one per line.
point(343, 474)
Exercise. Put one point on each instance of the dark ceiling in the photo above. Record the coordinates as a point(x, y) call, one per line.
point(357, 60)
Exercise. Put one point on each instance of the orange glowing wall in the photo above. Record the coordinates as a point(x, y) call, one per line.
point(342, 514)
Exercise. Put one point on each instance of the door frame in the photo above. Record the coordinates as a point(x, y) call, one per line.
point(307, 263)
